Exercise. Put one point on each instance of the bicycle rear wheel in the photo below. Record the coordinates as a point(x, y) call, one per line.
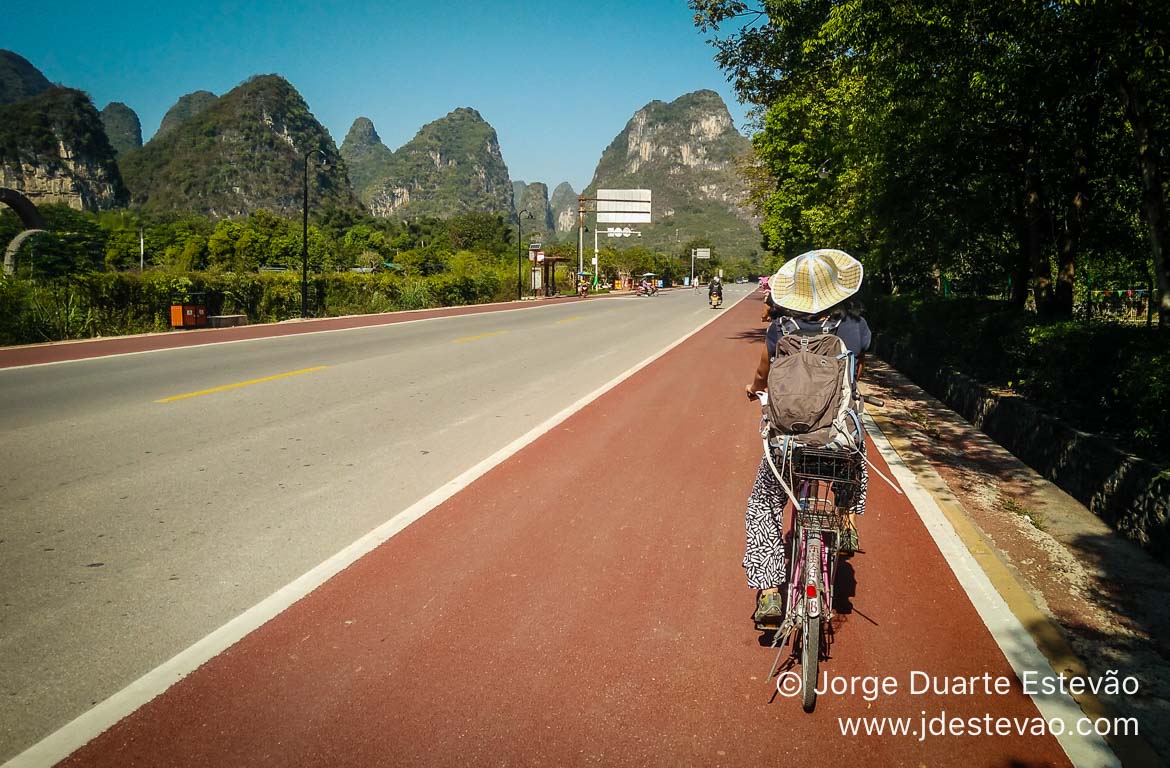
point(810, 658)
point(810, 645)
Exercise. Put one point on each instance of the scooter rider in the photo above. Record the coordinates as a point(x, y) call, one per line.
point(715, 288)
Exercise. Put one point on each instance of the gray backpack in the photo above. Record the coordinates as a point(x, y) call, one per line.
point(810, 387)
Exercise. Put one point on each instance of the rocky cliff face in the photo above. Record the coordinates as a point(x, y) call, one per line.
point(244, 152)
point(54, 149)
point(686, 152)
point(19, 79)
point(451, 166)
point(185, 108)
point(563, 207)
point(122, 127)
point(518, 190)
point(368, 159)
point(535, 201)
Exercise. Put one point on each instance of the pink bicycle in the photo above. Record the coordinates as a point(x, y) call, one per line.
point(821, 485)
point(825, 481)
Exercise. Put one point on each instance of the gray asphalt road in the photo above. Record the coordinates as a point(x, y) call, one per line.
point(131, 528)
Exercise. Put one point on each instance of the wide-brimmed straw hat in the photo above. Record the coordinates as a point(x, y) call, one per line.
point(814, 281)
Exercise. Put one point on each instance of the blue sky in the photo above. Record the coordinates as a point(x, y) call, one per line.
point(557, 80)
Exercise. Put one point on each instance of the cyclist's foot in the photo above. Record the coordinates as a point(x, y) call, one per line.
point(849, 542)
point(768, 609)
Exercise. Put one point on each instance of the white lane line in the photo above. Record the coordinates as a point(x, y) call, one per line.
point(88, 726)
point(1014, 641)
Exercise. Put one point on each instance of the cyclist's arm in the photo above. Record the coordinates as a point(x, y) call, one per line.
point(760, 382)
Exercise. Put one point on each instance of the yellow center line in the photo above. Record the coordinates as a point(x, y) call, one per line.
point(569, 319)
point(237, 385)
point(480, 336)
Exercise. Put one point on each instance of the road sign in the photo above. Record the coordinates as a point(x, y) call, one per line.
point(540, 255)
point(623, 206)
point(702, 253)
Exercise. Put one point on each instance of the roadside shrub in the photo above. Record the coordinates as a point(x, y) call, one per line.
point(1109, 379)
point(121, 303)
point(414, 293)
point(59, 311)
point(15, 296)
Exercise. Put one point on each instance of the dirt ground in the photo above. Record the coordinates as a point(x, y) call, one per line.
point(1110, 600)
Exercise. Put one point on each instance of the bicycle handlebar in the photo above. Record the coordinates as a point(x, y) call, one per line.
point(870, 399)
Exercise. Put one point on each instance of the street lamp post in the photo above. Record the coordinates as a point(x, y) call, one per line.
point(520, 253)
point(305, 231)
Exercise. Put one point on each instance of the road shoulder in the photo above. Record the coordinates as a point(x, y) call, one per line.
point(1092, 601)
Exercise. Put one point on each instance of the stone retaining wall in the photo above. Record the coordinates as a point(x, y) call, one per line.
point(1129, 493)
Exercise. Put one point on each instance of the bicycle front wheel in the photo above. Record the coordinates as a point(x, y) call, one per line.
point(810, 658)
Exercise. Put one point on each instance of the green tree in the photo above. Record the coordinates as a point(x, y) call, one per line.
point(73, 243)
point(485, 232)
point(221, 245)
point(943, 138)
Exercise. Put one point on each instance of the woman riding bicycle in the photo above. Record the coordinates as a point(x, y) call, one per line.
point(811, 294)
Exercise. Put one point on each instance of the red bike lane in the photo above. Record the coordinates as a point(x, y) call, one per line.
point(583, 603)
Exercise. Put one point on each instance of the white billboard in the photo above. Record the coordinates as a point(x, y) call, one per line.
point(623, 206)
point(702, 253)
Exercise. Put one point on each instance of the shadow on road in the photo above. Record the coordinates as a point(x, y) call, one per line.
point(1109, 598)
point(845, 589)
point(750, 334)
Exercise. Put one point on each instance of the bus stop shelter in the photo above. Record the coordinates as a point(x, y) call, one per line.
point(544, 273)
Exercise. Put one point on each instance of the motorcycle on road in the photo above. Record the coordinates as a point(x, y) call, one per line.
point(648, 286)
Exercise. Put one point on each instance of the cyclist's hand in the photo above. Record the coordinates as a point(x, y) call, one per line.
point(751, 393)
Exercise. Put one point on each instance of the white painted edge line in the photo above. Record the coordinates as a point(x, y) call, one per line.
point(81, 730)
point(1010, 635)
point(501, 308)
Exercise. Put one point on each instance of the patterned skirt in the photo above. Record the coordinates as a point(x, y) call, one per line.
point(763, 556)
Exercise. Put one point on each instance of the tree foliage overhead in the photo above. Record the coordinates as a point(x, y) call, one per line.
point(1002, 143)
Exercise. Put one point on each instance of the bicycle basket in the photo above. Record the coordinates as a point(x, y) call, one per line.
point(818, 514)
point(839, 467)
